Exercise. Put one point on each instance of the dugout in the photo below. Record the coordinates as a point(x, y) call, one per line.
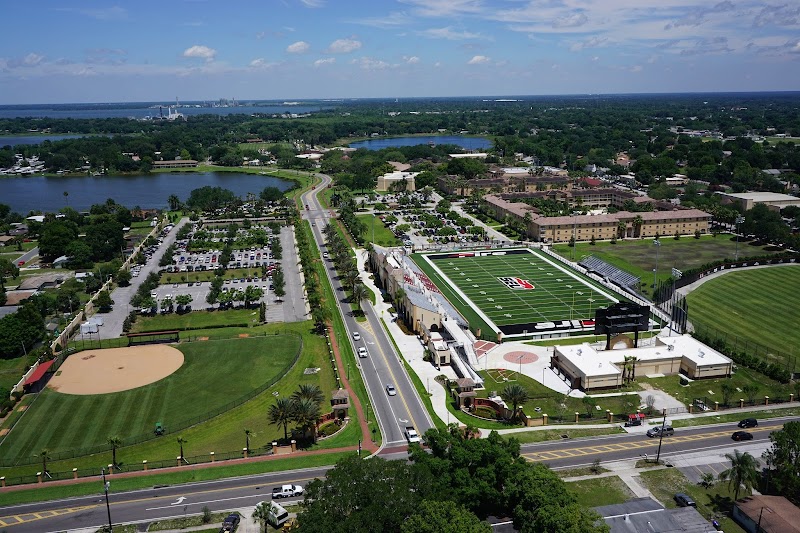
point(39, 378)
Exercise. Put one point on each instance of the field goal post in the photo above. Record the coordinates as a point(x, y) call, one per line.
point(153, 337)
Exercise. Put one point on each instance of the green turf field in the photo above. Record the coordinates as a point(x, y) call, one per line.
point(382, 235)
point(638, 256)
point(214, 373)
point(490, 284)
point(755, 306)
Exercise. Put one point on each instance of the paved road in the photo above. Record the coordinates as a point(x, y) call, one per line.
point(236, 493)
point(27, 256)
point(382, 366)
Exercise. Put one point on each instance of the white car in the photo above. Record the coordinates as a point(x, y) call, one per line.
point(356, 336)
point(362, 352)
point(390, 390)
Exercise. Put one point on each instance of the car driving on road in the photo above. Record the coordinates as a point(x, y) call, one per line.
point(390, 390)
point(742, 435)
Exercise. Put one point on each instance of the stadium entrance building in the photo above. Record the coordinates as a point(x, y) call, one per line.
point(587, 368)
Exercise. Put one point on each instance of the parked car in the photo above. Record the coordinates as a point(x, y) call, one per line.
point(742, 435)
point(684, 500)
point(230, 523)
point(748, 423)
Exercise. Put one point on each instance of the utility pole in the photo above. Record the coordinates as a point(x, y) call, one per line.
point(661, 437)
point(108, 507)
point(657, 244)
point(739, 220)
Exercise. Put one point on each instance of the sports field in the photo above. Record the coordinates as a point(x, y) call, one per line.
point(214, 373)
point(520, 291)
point(752, 306)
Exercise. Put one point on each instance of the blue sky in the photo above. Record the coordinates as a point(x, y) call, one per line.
point(90, 51)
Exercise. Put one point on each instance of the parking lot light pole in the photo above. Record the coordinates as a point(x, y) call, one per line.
point(657, 244)
point(739, 220)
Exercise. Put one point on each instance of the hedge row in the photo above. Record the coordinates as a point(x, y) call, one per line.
point(772, 370)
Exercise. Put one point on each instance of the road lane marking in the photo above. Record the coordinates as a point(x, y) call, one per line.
point(24, 518)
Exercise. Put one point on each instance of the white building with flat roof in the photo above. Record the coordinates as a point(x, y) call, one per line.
point(749, 199)
point(386, 181)
point(588, 369)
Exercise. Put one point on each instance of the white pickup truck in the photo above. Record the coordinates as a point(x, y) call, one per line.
point(412, 435)
point(287, 491)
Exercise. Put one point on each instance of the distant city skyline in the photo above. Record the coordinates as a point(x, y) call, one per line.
point(93, 51)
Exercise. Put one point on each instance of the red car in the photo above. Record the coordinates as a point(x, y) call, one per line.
point(20, 263)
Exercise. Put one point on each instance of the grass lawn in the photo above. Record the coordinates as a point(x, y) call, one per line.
point(715, 502)
point(11, 370)
point(752, 306)
point(168, 278)
point(700, 389)
point(607, 490)
point(374, 226)
point(196, 320)
point(638, 256)
point(735, 417)
point(67, 423)
point(527, 437)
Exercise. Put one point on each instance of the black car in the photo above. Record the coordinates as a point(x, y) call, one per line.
point(684, 500)
point(230, 523)
point(748, 423)
point(742, 435)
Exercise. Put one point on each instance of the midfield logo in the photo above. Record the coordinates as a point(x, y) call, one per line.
point(517, 283)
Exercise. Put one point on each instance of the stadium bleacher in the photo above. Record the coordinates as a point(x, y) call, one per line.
point(612, 273)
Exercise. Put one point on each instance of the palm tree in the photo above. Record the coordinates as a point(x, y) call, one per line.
point(181, 442)
point(306, 414)
point(517, 395)
point(247, 434)
point(320, 315)
point(44, 455)
point(350, 278)
point(359, 293)
point(622, 229)
point(281, 413)
point(637, 226)
point(174, 202)
point(742, 473)
point(261, 513)
point(308, 391)
point(115, 442)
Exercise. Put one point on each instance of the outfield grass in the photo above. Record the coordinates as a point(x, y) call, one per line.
point(209, 379)
point(376, 231)
point(608, 490)
point(638, 256)
point(11, 370)
point(752, 306)
point(196, 320)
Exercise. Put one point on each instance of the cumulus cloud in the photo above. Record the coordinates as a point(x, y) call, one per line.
point(200, 52)
point(261, 63)
point(343, 46)
point(478, 60)
point(299, 47)
point(368, 63)
point(413, 60)
point(450, 34)
point(32, 59)
point(322, 62)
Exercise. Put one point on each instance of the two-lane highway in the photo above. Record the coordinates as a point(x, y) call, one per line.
point(382, 366)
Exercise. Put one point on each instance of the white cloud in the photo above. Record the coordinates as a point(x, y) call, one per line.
point(322, 62)
point(445, 8)
point(201, 52)
point(343, 46)
point(478, 60)
point(636, 68)
point(796, 48)
point(107, 13)
point(32, 59)
point(393, 19)
point(300, 47)
point(368, 63)
point(450, 34)
point(261, 63)
point(413, 60)
point(593, 42)
point(313, 3)
point(572, 20)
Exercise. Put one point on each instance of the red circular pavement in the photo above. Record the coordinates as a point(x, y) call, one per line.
point(521, 357)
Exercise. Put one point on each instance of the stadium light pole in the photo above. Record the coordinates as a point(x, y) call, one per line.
point(657, 244)
point(739, 220)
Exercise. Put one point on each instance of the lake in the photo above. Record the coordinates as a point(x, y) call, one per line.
point(145, 190)
point(468, 143)
point(14, 140)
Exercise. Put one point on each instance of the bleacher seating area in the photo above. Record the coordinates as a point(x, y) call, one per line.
point(601, 268)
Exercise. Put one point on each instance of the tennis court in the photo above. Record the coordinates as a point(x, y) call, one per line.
point(521, 291)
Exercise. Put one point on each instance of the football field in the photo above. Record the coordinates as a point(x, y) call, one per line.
point(520, 291)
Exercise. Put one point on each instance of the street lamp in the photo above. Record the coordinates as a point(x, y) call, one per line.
point(739, 220)
point(657, 244)
point(108, 507)
point(574, 233)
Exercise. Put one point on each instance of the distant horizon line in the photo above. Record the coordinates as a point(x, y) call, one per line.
point(408, 98)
